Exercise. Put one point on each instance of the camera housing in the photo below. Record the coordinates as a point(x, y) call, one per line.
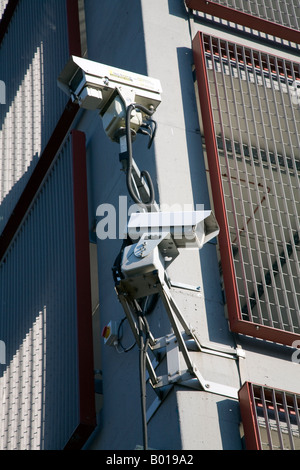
point(157, 238)
point(110, 90)
point(188, 229)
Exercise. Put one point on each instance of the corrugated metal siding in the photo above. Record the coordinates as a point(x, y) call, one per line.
point(39, 407)
point(32, 54)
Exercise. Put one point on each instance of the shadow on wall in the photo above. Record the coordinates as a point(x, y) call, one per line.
point(46, 25)
point(229, 420)
point(12, 197)
point(193, 137)
point(116, 38)
point(177, 8)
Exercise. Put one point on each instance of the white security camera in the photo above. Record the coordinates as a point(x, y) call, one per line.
point(188, 229)
point(159, 235)
point(110, 90)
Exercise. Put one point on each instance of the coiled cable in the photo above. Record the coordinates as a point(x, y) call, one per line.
point(145, 174)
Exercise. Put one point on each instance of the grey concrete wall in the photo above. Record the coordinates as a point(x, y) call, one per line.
point(154, 38)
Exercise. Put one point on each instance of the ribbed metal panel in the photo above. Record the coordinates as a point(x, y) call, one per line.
point(39, 407)
point(32, 54)
point(256, 116)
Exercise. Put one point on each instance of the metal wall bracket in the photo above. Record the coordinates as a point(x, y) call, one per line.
point(174, 344)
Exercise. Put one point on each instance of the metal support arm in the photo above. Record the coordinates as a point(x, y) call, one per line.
point(174, 343)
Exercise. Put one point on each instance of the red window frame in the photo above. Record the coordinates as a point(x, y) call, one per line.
point(86, 386)
point(244, 19)
point(236, 322)
point(276, 408)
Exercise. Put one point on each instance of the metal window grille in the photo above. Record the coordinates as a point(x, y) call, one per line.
point(286, 13)
point(256, 125)
point(276, 20)
point(271, 418)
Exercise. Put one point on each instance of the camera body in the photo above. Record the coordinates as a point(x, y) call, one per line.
point(158, 236)
point(95, 86)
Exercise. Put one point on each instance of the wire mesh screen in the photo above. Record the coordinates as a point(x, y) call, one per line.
point(256, 115)
point(277, 414)
point(284, 12)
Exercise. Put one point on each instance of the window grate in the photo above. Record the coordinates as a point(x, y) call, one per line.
point(274, 20)
point(256, 124)
point(271, 418)
point(286, 13)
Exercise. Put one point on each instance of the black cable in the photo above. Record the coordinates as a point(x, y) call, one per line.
point(119, 336)
point(143, 346)
point(151, 132)
point(137, 199)
point(142, 364)
point(148, 303)
point(116, 269)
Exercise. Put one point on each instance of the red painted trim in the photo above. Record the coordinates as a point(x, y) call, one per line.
point(6, 17)
point(263, 332)
point(84, 306)
point(244, 19)
point(215, 177)
point(73, 28)
point(79, 437)
point(247, 408)
point(236, 323)
point(40, 171)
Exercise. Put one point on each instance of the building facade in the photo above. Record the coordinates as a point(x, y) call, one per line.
point(227, 140)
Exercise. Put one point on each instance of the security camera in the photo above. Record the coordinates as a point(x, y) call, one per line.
point(188, 229)
point(110, 90)
point(158, 236)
